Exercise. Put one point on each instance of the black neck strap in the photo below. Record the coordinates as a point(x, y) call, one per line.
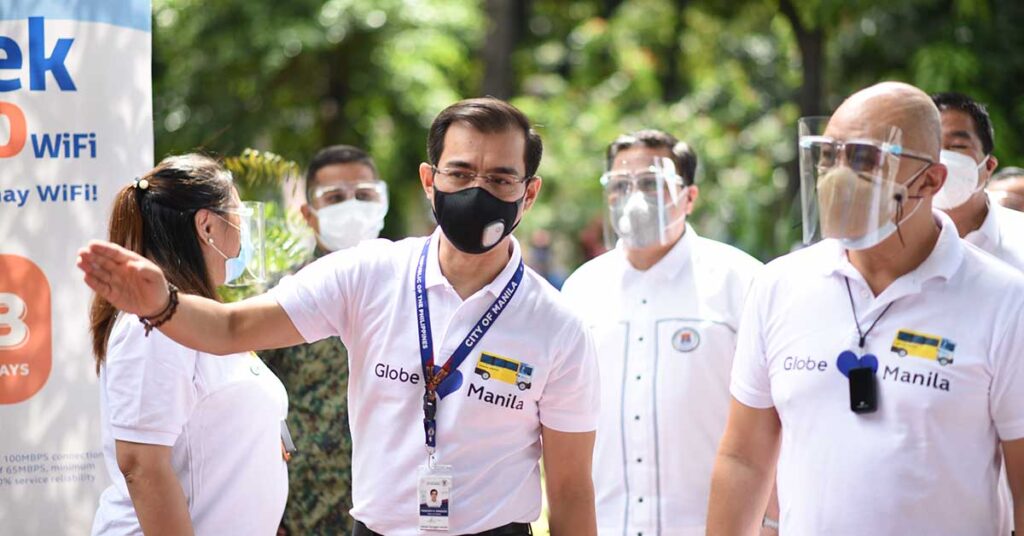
point(853, 308)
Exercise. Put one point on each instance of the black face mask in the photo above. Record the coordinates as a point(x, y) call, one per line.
point(473, 219)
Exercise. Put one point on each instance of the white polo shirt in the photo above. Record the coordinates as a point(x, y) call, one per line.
point(221, 416)
point(1001, 234)
point(665, 339)
point(488, 430)
point(927, 461)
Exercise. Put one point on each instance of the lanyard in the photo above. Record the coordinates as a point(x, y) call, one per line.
point(432, 380)
point(863, 335)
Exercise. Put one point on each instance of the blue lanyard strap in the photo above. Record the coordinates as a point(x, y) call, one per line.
point(431, 379)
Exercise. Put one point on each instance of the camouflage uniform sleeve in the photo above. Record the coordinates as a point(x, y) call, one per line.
point(319, 475)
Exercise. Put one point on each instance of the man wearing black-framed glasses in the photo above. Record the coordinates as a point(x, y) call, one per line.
point(478, 191)
point(465, 365)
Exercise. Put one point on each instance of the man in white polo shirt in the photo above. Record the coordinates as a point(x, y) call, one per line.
point(664, 306)
point(968, 140)
point(464, 365)
point(882, 365)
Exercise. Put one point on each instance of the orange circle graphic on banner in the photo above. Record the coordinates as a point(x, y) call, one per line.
point(26, 337)
point(19, 130)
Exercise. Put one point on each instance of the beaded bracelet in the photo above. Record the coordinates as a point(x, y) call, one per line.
point(161, 318)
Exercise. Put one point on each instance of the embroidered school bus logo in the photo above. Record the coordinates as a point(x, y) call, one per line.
point(504, 369)
point(925, 346)
point(26, 344)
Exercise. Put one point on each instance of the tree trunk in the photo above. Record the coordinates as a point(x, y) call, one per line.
point(608, 8)
point(811, 42)
point(812, 57)
point(505, 19)
point(671, 82)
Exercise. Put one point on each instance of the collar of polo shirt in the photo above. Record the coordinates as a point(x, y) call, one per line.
point(434, 277)
point(942, 262)
point(987, 236)
point(996, 235)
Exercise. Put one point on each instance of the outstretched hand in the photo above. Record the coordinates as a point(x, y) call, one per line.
point(129, 281)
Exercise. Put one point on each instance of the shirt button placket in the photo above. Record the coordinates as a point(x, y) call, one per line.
point(640, 444)
point(636, 398)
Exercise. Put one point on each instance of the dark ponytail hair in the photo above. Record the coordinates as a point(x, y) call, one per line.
point(158, 222)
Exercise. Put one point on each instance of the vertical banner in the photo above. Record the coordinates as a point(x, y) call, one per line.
point(75, 125)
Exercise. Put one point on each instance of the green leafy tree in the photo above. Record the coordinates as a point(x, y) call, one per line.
point(730, 77)
point(295, 76)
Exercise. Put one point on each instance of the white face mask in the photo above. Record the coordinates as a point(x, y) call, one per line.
point(348, 223)
point(637, 221)
point(640, 223)
point(961, 180)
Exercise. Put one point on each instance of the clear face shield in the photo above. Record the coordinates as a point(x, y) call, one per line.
point(644, 199)
point(848, 188)
point(249, 267)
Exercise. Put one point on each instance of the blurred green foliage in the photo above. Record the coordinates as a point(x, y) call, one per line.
point(728, 76)
point(261, 175)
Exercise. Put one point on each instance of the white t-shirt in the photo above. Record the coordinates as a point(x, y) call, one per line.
point(1001, 234)
point(927, 461)
point(665, 340)
point(488, 429)
point(221, 416)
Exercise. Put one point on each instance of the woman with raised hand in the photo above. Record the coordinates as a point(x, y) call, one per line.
point(192, 442)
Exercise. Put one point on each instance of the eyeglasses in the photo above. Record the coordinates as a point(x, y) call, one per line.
point(863, 156)
point(623, 183)
point(374, 191)
point(505, 186)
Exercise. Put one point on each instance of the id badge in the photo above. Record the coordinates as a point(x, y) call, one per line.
point(434, 495)
point(287, 445)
